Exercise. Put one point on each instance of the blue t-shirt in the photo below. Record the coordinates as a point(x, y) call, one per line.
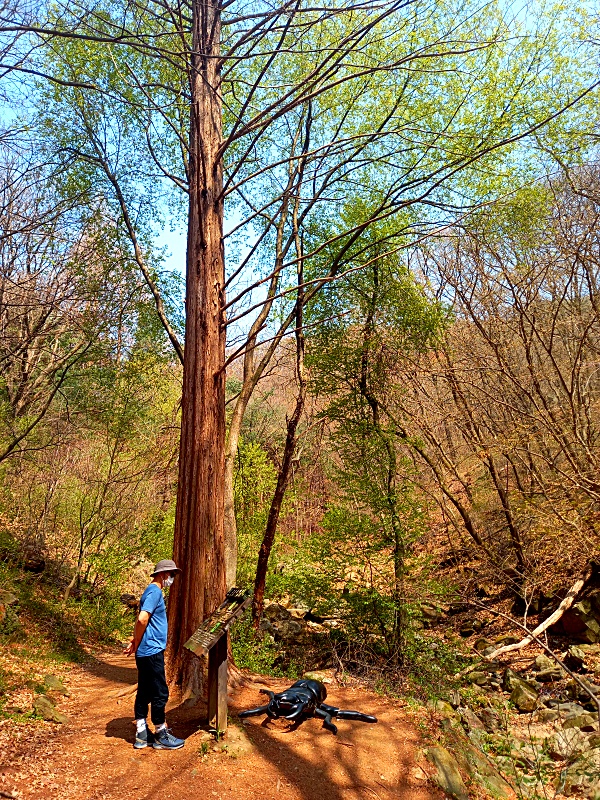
point(155, 636)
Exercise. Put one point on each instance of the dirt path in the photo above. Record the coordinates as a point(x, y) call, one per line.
point(92, 758)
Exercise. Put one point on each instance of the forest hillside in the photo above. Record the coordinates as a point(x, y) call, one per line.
point(305, 297)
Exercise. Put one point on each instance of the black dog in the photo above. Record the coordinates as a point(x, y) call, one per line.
point(302, 700)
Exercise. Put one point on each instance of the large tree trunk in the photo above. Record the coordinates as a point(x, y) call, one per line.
point(199, 543)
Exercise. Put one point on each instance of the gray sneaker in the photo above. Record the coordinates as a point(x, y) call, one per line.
point(164, 740)
point(143, 738)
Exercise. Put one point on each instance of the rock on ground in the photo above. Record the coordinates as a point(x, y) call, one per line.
point(444, 709)
point(44, 708)
point(568, 744)
point(319, 675)
point(448, 775)
point(54, 684)
point(581, 622)
point(523, 696)
point(583, 776)
point(585, 722)
point(476, 764)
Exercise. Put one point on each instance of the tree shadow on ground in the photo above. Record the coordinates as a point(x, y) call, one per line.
point(187, 718)
point(362, 758)
point(112, 672)
point(121, 728)
point(303, 761)
point(336, 767)
point(309, 779)
point(184, 719)
point(316, 777)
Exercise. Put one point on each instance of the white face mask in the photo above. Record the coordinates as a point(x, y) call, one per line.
point(168, 582)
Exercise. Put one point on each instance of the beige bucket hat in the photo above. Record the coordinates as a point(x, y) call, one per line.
point(166, 565)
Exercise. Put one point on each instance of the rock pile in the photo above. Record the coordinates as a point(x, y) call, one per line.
point(559, 740)
point(582, 620)
point(290, 624)
point(463, 754)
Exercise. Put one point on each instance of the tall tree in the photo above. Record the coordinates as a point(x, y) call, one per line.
point(256, 69)
point(356, 362)
point(199, 544)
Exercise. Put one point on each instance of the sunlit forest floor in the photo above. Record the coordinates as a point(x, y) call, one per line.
point(92, 757)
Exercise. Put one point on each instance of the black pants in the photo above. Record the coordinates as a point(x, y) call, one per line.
point(152, 687)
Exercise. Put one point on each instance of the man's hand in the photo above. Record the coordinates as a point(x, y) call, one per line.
point(130, 648)
point(140, 627)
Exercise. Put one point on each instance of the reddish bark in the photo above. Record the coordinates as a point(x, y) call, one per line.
point(199, 543)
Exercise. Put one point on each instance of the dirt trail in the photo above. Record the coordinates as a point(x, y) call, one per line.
point(92, 758)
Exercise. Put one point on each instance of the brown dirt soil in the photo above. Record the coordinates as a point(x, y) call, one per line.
point(92, 758)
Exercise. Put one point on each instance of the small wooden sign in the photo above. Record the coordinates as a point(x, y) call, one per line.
point(211, 639)
point(235, 603)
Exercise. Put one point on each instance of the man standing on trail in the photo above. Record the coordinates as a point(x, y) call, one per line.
point(148, 642)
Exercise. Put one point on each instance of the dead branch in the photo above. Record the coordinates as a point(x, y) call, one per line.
point(531, 635)
point(554, 617)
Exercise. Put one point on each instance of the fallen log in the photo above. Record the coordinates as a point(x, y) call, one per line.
point(593, 697)
point(553, 618)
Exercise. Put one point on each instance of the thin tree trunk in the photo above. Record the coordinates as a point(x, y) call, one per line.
point(513, 530)
point(199, 541)
point(283, 477)
point(229, 520)
point(75, 578)
point(478, 444)
point(251, 375)
point(291, 440)
point(250, 379)
point(398, 544)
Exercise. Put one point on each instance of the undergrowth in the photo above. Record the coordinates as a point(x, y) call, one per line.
point(60, 628)
point(260, 654)
point(41, 634)
point(424, 669)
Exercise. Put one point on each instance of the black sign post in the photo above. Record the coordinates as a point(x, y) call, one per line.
point(211, 639)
